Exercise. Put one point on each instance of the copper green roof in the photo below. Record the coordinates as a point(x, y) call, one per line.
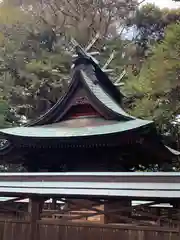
point(104, 97)
point(63, 132)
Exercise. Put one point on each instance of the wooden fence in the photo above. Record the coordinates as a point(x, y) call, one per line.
point(56, 230)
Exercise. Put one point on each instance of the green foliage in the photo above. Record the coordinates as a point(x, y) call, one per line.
point(12, 168)
point(42, 80)
point(157, 86)
point(121, 49)
point(150, 23)
point(32, 77)
point(3, 111)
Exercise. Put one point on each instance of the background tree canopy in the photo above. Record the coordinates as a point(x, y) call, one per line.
point(154, 92)
point(35, 51)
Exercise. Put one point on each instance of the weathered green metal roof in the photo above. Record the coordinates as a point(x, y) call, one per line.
point(103, 96)
point(62, 132)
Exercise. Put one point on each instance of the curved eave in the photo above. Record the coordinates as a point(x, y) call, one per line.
point(50, 115)
point(173, 151)
point(107, 134)
point(65, 132)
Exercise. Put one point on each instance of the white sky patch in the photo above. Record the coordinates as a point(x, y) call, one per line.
point(164, 3)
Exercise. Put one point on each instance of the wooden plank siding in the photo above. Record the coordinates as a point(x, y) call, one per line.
point(57, 230)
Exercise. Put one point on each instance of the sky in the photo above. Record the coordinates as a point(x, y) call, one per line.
point(164, 3)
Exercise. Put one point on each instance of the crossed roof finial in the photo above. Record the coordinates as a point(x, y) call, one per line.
point(80, 51)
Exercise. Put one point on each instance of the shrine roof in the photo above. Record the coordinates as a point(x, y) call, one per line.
point(60, 131)
point(103, 96)
point(104, 99)
point(97, 92)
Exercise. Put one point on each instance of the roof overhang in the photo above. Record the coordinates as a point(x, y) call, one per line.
point(147, 186)
point(65, 132)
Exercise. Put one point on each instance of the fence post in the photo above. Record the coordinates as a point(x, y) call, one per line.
point(35, 208)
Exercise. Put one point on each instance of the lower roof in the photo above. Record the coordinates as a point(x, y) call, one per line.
point(93, 131)
point(152, 176)
point(96, 193)
point(97, 185)
point(55, 131)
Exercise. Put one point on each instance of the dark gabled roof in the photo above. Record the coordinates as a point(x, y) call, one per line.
point(104, 96)
point(101, 90)
point(103, 79)
point(102, 100)
point(99, 95)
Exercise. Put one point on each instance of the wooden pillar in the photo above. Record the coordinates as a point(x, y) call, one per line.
point(114, 212)
point(102, 216)
point(34, 208)
point(53, 204)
